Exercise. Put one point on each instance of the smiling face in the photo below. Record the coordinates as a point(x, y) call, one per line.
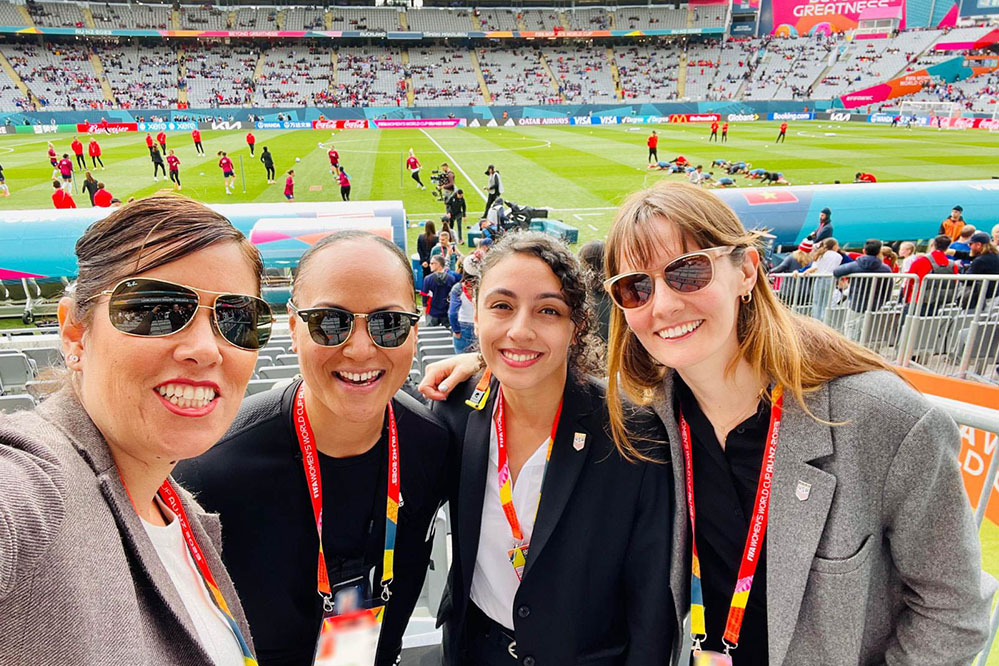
point(167, 398)
point(523, 323)
point(686, 331)
point(357, 379)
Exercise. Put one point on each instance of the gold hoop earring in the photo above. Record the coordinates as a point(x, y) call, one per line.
point(747, 297)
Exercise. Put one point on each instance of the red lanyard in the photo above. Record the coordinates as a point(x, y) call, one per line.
point(757, 532)
point(310, 461)
point(503, 467)
point(465, 289)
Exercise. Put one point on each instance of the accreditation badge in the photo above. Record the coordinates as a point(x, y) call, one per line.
point(349, 632)
point(709, 658)
point(518, 559)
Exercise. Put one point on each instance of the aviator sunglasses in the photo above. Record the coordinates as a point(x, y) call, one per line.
point(150, 308)
point(331, 327)
point(686, 274)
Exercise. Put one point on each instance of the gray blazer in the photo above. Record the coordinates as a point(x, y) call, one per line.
point(872, 550)
point(80, 582)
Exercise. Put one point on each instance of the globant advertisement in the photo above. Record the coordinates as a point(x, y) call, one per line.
point(794, 18)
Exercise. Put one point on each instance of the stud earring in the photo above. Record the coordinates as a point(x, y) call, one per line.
point(73, 358)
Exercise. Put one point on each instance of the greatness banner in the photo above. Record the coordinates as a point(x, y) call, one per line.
point(806, 17)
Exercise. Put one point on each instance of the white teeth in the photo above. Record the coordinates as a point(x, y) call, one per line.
point(679, 331)
point(521, 357)
point(186, 396)
point(360, 377)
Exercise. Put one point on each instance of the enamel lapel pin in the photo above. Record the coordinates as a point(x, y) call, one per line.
point(801, 492)
point(579, 441)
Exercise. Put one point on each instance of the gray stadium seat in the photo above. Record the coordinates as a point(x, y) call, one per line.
point(286, 359)
point(427, 360)
point(15, 371)
point(259, 385)
point(45, 357)
point(12, 403)
point(279, 372)
point(437, 350)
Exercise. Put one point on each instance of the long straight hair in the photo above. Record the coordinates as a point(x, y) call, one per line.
point(793, 350)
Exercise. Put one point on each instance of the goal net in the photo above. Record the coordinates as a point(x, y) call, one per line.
point(926, 112)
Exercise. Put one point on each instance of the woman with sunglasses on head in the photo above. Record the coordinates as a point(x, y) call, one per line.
point(560, 545)
point(831, 522)
point(104, 560)
point(328, 488)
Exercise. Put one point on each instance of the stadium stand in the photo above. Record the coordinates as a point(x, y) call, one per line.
point(203, 18)
point(637, 18)
point(648, 72)
point(541, 19)
point(141, 77)
point(438, 20)
point(219, 74)
point(56, 14)
point(371, 75)
point(516, 76)
point(443, 75)
point(582, 72)
point(867, 62)
point(367, 18)
point(10, 16)
point(710, 16)
point(776, 74)
point(304, 18)
point(140, 17)
point(494, 19)
point(61, 76)
point(294, 76)
point(255, 18)
point(592, 18)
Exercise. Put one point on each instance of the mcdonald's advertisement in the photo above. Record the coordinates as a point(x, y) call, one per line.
point(793, 18)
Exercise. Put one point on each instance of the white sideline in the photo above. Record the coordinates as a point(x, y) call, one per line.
point(457, 166)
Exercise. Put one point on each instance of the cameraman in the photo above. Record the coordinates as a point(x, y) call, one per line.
point(495, 187)
point(497, 215)
point(456, 209)
point(447, 182)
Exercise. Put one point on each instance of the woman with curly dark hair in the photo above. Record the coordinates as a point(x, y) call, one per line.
point(559, 541)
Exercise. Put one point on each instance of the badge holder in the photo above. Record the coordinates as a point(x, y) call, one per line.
point(518, 559)
point(351, 626)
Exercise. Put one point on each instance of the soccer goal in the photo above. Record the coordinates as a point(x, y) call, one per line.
point(947, 111)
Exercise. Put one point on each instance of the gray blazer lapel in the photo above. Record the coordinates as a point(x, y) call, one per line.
point(802, 495)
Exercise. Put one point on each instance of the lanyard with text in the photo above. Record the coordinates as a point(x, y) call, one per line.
point(754, 539)
point(172, 501)
point(310, 461)
point(517, 554)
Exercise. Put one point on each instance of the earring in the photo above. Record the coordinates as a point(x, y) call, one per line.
point(73, 358)
point(747, 297)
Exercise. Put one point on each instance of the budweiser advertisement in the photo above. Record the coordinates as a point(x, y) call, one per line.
point(106, 128)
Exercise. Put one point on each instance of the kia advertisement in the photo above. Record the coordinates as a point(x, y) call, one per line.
point(794, 18)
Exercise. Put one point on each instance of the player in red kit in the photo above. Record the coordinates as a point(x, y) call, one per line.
point(653, 144)
point(725, 133)
point(414, 166)
point(149, 143)
point(251, 141)
point(862, 177)
point(228, 172)
point(94, 150)
point(61, 198)
point(66, 171)
point(714, 131)
point(174, 163)
point(334, 158)
point(161, 139)
point(196, 136)
point(783, 133)
point(53, 160)
point(77, 147)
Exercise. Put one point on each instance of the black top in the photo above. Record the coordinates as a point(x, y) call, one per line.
point(157, 157)
point(424, 245)
point(255, 480)
point(725, 484)
point(90, 187)
point(595, 588)
point(457, 207)
point(267, 158)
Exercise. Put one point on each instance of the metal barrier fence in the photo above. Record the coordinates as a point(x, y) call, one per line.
point(946, 324)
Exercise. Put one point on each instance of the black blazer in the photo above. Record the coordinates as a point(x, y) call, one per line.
point(595, 588)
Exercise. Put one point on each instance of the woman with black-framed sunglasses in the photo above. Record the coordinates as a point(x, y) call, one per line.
point(94, 527)
point(329, 487)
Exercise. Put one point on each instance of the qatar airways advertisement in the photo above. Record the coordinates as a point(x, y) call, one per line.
point(795, 18)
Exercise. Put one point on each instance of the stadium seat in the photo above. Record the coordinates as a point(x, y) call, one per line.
point(12, 403)
point(15, 371)
point(286, 359)
point(45, 357)
point(427, 360)
point(437, 350)
point(259, 386)
point(279, 372)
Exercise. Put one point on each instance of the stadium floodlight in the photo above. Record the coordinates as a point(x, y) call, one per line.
point(948, 111)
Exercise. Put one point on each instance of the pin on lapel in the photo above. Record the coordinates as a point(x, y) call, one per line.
point(801, 492)
point(579, 441)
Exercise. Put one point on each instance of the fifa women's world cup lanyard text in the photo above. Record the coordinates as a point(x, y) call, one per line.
point(352, 621)
point(750, 553)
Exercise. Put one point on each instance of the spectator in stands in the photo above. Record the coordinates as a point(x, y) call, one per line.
point(94, 150)
point(456, 210)
point(960, 249)
point(995, 235)
point(867, 294)
point(360, 430)
point(447, 249)
point(461, 305)
point(532, 305)
point(344, 179)
point(953, 224)
point(889, 258)
point(825, 259)
point(89, 186)
point(426, 242)
point(494, 187)
point(436, 289)
point(268, 161)
point(60, 197)
point(825, 228)
point(85, 489)
point(591, 256)
point(984, 261)
point(936, 262)
point(103, 198)
point(158, 164)
point(907, 253)
point(796, 260)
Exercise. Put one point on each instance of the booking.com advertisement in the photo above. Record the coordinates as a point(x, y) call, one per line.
point(793, 18)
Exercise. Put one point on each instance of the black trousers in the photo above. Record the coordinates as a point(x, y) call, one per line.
point(81, 161)
point(270, 173)
point(714, 135)
point(416, 176)
point(490, 200)
point(780, 138)
point(724, 137)
point(251, 145)
point(163, 147)
point(175, 177)
point(95, 159)
point(345, 192)
point(157, 166)
point(653, 154)
point(199, 147)
point(485, 642)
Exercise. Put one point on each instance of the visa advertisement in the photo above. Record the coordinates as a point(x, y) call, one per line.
point(793, 18)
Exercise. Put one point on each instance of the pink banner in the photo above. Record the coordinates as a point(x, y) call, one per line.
point(418, 123)
point(803, 17)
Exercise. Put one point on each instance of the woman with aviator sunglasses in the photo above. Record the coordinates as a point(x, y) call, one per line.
point(328, 488)
point(103, 558)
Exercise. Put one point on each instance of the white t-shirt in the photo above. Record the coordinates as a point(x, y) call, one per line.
point(494, 582)
point(212, 628)
point(827, 262)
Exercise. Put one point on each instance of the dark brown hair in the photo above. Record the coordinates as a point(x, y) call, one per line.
point(146, 234)
point(586, 348)
point(343, 237)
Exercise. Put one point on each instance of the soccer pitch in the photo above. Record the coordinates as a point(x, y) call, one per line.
point(583, 173)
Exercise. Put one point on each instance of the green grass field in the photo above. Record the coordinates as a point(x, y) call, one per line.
point(583, 173)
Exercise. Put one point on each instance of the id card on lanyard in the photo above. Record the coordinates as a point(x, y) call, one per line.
point(517, 554)
point(750, 553)
point(172, 501)
point(351, 625)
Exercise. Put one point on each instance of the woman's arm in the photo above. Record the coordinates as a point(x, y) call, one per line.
point(440, 378)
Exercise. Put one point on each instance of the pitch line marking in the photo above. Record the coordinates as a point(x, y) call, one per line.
point(456, 165)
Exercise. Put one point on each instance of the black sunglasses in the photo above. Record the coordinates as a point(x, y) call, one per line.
point(686, 274)
point(150, 308)
point(331, 327)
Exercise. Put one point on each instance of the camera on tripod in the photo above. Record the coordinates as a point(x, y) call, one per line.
point(438, 178)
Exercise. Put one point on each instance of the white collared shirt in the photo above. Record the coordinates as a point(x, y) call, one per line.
point(494, 582)
point(211, 626)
